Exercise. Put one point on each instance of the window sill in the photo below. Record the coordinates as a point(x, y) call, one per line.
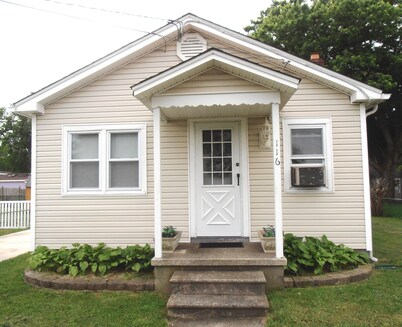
point(103, 193)
point(305, 190)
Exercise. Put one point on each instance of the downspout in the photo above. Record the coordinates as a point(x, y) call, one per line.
point(364, 115)
point(372, 111)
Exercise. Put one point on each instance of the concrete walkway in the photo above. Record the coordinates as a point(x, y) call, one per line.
point(14, 244)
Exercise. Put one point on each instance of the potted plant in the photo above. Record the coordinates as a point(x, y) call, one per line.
point(267, 239)
point(170, 238)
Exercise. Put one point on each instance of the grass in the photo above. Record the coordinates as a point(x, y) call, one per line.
point(23, 305)
point(392, 208)
point(9, 231)
point(376, 302)
point(387, 238)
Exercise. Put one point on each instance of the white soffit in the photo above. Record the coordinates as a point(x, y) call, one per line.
point(213, 58)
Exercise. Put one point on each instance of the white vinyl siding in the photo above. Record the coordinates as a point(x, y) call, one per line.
point(115, 220)
point(338, 214)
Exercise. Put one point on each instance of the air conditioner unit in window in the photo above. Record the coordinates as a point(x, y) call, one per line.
point(308, 176)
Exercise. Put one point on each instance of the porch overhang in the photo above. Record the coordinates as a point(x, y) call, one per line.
point(278, 88)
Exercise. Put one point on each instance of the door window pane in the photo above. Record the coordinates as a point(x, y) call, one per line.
point(206, 136)
point(227, 149)
point(227, 178)
point(207, 165)
point(84, 175)
point(84, 146)
point(217, 164)
point(124, 174)
point(216, 135)
point(207, 179)
point(124, 145)
point(217, 179)
point(217, 149)
point(227, 164)
point(206, 150)
point(227, 135)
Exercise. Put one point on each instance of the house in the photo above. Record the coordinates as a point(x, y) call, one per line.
point(206, 129)
point(14, 186)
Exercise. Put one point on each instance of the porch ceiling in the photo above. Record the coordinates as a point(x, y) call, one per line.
point(277, 88)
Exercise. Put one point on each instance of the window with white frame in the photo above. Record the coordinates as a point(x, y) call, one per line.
point(308, 154)
point(104, 159)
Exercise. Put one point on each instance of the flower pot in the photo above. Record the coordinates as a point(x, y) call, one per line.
point(267, 243)
point(169, 244)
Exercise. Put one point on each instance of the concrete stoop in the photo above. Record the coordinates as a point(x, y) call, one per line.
point(217, 298)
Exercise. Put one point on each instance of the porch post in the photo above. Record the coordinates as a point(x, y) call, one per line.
point(157, 184)
point(276, 140)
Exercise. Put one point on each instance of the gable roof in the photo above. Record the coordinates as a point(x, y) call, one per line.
point(215, 58)
point(358, 92)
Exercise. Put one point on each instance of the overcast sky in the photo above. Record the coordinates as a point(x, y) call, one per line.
point(44, 40)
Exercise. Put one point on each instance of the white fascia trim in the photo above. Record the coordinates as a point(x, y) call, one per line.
point(366, 179)
point(37, 100)
point(211, 99)
point(33, 184)
point(211, 59)
point(290, 60)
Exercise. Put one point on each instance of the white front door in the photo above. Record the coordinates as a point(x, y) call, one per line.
point(217, 180)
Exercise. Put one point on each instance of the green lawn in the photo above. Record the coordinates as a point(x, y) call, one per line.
point(9, 231)
point(23, 305)
point(376, 302)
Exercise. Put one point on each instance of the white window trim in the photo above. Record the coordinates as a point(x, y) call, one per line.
point(104, 130)
point(326, 124)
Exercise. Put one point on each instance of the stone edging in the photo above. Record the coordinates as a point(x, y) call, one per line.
point(95, 283)
point(335, 278)
point(92, 283)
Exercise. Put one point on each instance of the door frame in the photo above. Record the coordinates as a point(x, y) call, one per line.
point(244, 171)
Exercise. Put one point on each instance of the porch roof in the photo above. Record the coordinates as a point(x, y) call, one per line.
point(278, 88)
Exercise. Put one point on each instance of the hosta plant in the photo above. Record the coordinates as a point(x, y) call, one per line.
point(318, 256)
point(84, 258)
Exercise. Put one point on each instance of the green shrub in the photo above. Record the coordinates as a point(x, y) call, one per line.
point(318, 256)
point(269, 231)
point(82, 259)
point(169, 232)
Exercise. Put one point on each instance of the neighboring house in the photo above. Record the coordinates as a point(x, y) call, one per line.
point(13, 186)
point(13, 180)
point(205, 129)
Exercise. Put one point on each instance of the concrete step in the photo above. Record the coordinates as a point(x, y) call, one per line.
point(219, 322)
point(186, 306)
point(218, 282)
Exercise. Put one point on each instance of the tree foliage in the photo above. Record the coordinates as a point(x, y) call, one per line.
point(15, 142)
point(358, 38)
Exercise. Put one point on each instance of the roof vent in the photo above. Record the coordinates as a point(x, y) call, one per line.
point(191, 44)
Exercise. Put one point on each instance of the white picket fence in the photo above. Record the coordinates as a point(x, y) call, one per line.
point(15, 214)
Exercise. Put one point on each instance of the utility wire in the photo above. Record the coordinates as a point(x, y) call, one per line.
point(106, 10)
point(74, 17)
